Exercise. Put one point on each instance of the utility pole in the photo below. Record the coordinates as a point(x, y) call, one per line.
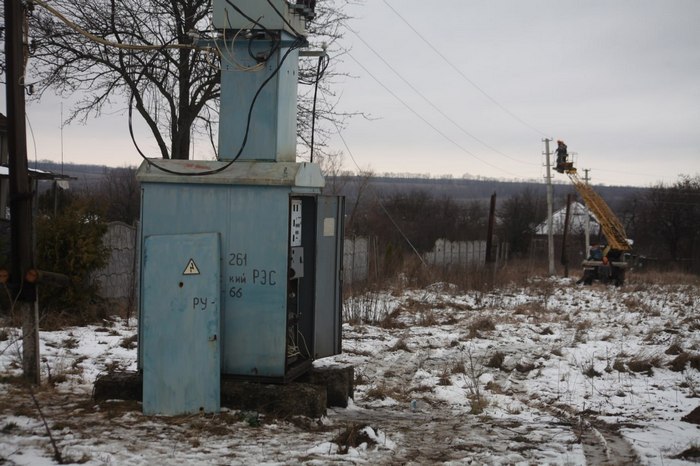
point(489, 234)
point(550, 230)
point(21, 220)
point(564, 255)
point(588, 221)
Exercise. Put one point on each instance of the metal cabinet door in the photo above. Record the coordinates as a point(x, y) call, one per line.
point(181, 314)
point(329, 286)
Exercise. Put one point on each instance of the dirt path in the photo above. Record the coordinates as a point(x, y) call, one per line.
point(435, 434)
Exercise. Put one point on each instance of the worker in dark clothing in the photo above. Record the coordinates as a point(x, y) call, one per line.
point(596, 252)
point(562, 154)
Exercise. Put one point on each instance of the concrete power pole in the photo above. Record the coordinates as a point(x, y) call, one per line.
point(21, 219)
point(550, 229)
point(588, 221)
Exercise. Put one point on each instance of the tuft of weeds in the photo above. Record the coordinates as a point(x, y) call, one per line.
point(619, 366)
point(391, 320)
point(675, 349)
point(445, 378)
point(691, 453)
point(9, 427)
point(644, 363)
point(70, 343)
point(383, 391)
point(360, 379)
point(427, 318)
point(477, 404)
point(496, 360)
point(352, 436)
point(524, 367)
point(494, 387)
point(129, 342)
point(458, 368)
point(590, 371)
point(681, 361)
point(482, 324)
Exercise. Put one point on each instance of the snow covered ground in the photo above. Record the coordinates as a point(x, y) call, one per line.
point(550, 374)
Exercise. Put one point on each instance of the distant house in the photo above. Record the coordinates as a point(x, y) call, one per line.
point(577, 221)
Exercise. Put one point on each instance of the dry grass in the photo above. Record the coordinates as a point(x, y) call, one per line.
point(129, 342)
point(383, 391)
point(644, 362)
point(481, 325)
point(496, 360)
point(683, 360)
point(444, 378)
point(644, 278)
point(352, 437)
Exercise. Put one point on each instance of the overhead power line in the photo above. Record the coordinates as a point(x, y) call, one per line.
point(108, 43)
point(466, 78)
point(429, 102)
point(422, 118)
point(376, 196)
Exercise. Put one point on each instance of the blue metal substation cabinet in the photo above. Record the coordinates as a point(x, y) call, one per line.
point(240, 276)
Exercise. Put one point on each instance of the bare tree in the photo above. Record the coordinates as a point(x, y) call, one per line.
point(158, 68)
point(519, 216)
point(667, 220)
point(120, 194)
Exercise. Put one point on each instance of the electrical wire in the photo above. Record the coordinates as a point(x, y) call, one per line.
point(466, 78)
point(298, 42)
point(319, 74)
point(376, 196)
point(313, 108)
point(422, 118)
point(108, 43)
point(429, 102)
point(284, 19)
point(294, 46)
point(231, 55)
point(240, 12)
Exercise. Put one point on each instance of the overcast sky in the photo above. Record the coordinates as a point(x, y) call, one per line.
point(618, 81)
point(462, 87)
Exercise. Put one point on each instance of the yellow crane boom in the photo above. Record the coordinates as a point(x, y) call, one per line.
point(612, 228)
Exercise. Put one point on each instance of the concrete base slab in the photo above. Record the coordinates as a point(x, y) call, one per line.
point(119, 386)
point(294, 399)
point(310, 395)
point(338, 380)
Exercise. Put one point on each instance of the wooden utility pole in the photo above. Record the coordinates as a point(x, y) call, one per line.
point(489, 234)
point(550, 230)
point(564, 255)
point(21, 219)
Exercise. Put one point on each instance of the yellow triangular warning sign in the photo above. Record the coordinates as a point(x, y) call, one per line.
point(191, 268)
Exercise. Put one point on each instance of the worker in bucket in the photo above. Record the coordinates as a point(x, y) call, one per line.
point(596, 252)
point(562, 154)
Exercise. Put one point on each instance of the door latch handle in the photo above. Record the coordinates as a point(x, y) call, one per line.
point(212, 338)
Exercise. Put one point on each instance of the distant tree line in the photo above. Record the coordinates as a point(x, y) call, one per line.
point(665, 223)
point(662, 221)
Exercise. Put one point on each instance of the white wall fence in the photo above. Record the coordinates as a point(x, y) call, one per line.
point(355, 259)
point(457, 253)
point(116, 279)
